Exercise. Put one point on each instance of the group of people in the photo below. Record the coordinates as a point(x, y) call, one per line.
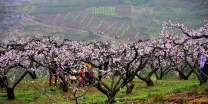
point(85, 75)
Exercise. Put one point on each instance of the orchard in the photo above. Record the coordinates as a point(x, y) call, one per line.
point(176, 49)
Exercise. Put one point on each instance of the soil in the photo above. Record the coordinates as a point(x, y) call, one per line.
point(86, 21)
point(187, 97)
point(193, 96)
point(96, 21)
point(122, 10)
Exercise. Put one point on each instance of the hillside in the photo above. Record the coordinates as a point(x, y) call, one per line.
point(82, 20)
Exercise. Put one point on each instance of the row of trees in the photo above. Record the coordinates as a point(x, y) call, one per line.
point(173, 50)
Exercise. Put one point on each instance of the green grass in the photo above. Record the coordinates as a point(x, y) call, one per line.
point(83, 19)
point(121, 27)
point(125, 31)
point(168, 11)
point(160, 87)
point(101, 23)
point(109, 27)
point(103, 10)
point(66, 16)
point(56, 17)
point(90, 21)
point(26, 93)
point(137, 34)
point(77, 16)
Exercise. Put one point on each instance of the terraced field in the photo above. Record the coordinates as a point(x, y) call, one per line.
point(98, 21)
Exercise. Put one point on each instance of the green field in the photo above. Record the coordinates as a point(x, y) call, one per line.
point(25, 92)
point(103, 10)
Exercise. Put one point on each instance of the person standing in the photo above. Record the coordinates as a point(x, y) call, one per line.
point(90, 76)
point(73, 78)
point(81, 77)
point(203, 63)
point(53, 72)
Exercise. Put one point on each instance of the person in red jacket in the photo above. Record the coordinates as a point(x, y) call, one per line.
point(90, 76)
point(81, 78)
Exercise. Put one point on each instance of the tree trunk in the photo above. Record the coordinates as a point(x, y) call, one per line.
point(149, 82)
point(10, 93)
point(185, 77)
point(157, 76)
point(111, 98)
point(117, 73)
point(109, 94)
point(203, 80)
point(33, 75)
point(130, 87)
point(2, 83)
point(65, 86)
point(161, 77)
point(99, 73)
point(146, 79)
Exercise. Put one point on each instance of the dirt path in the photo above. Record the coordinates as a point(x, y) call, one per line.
point(187, 97)
point(53, 26)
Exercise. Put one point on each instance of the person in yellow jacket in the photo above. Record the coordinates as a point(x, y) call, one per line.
point(88, 65)
point(89, 74)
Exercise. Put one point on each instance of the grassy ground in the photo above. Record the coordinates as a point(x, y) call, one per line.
point(25, 93)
